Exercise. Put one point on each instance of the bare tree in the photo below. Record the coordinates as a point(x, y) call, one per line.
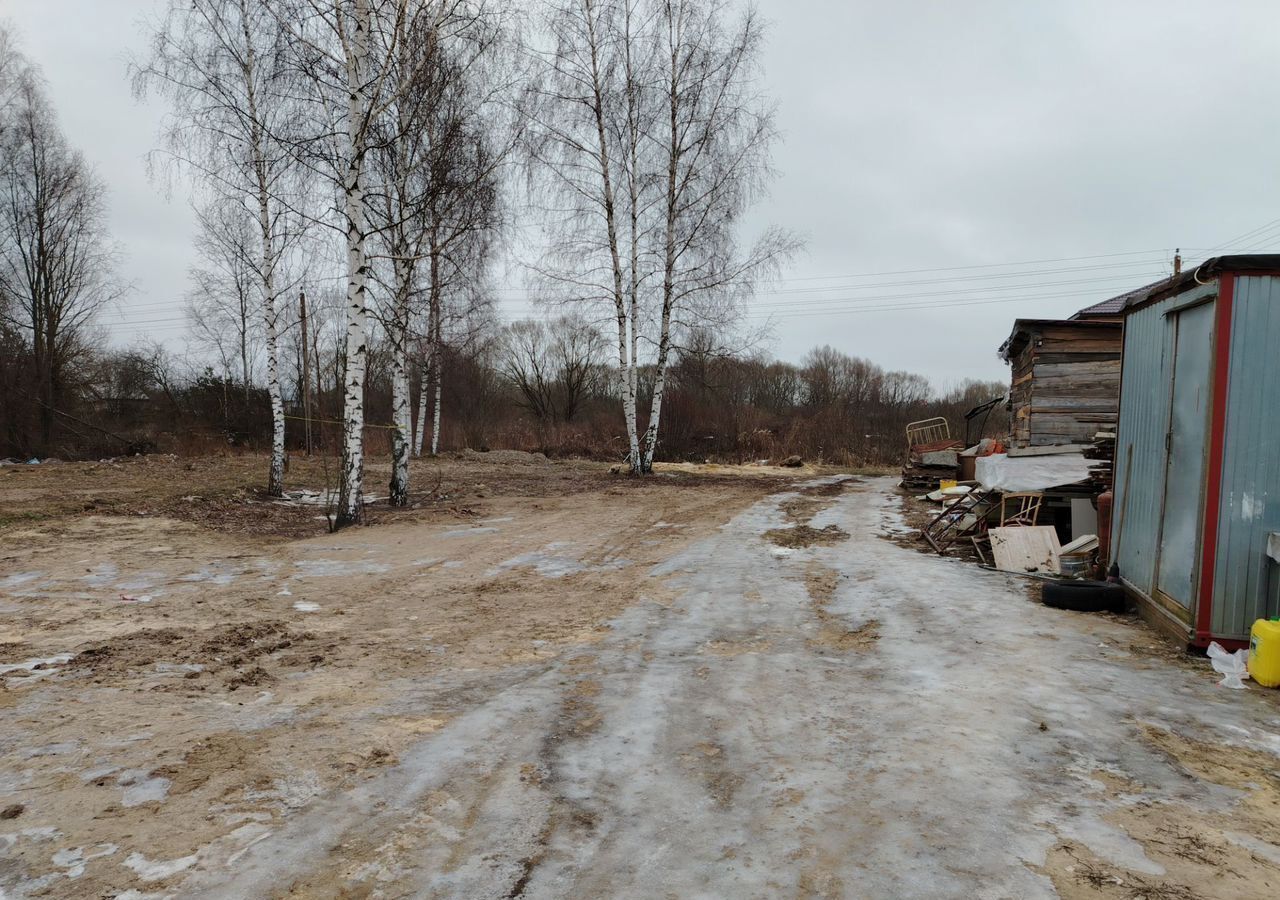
point(437, 169)
point(586, 113)
point(553, 365)
point(221, 63)
point(712, 149)
point(653, 141)
point(223, 301)
point(56, 261)
point(526, 361)
point(577, 348)
point(347, 53)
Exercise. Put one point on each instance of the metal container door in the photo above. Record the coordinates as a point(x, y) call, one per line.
point(1184, 474)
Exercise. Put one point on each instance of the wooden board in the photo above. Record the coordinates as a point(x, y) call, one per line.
point(1032, 548)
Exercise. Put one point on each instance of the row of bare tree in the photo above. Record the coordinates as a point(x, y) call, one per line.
point(539, 385)
point(398, 125)
point(377, 146)
point(55, 261)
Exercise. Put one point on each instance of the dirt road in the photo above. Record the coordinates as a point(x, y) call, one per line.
point(705, 694)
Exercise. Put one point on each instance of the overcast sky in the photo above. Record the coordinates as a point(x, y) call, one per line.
point(917, 136)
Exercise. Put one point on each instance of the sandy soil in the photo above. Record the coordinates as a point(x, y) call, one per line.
point(583, 685)
point(218, 682)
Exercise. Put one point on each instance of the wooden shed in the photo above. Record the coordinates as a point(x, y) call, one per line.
point(1066, 379)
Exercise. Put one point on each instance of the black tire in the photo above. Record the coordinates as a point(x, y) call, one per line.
point(1084, 596)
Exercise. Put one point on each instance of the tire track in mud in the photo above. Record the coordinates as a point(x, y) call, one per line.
point(547, 729)
point(719, 745)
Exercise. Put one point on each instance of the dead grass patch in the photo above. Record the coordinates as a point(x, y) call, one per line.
point(833, 637)
point(821, 582)
point(806, 536)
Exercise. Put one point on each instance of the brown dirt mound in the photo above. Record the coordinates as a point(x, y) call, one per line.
point(220, 647)
point(806, 536)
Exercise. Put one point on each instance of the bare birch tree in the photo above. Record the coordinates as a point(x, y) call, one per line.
point(437, 168)
point(712, 149)
point(652, 140)
point(221, 64)
point(355, 68)
point(587, 115)
point(223, 302)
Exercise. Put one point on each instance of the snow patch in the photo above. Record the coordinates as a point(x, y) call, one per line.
point(141, 787)
point(31, 665)
point(73, 859)
point(155, 870)
point(18, 579)
point(306, 606)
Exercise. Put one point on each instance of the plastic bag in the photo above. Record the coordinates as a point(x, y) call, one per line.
point(1233, 666)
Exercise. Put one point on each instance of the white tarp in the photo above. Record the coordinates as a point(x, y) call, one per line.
point(1002, 472)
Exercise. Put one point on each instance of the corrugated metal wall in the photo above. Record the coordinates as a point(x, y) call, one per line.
point(1246, 585)
point(1144, 421)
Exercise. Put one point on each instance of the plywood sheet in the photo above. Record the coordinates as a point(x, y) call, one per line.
point(1032, 548)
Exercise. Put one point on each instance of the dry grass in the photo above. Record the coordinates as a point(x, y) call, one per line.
point(226, 493)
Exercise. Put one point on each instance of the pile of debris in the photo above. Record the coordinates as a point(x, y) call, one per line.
point(933, 456)
point(928, 465)
point(1103, 453)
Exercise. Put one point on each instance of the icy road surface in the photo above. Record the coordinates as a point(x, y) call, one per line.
point(725, 746)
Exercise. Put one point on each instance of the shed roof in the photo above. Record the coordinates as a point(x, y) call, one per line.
point(1255, 263)
point(1023, 329)
point(1115, 305)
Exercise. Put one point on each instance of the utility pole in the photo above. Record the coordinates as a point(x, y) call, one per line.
point(306, 370)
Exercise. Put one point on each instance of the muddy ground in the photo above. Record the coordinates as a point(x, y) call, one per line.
point(545, 681)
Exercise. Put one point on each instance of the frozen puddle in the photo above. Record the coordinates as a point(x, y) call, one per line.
point(470, 532)
point(217, 574)
point(18, 579)
point(552, 562)
point(331, 568)
point(101, 575)
point(72, 860)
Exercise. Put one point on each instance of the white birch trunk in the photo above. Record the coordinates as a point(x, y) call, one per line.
point(626, 359)
point(659, 387)
point(436, 374)
point(275, 474)
point(351, 484)
point(275, 479)
point(421, 426)
point(400, 410)
point(668, 261)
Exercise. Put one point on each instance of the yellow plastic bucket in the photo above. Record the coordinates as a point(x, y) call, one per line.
point(1264, 652)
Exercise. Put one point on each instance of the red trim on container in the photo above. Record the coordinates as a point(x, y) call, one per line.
point(1217, 444)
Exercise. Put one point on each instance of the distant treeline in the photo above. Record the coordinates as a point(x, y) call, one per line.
point(530, 386)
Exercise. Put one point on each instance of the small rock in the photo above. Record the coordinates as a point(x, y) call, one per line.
point(12, 811)
point(793, 462)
